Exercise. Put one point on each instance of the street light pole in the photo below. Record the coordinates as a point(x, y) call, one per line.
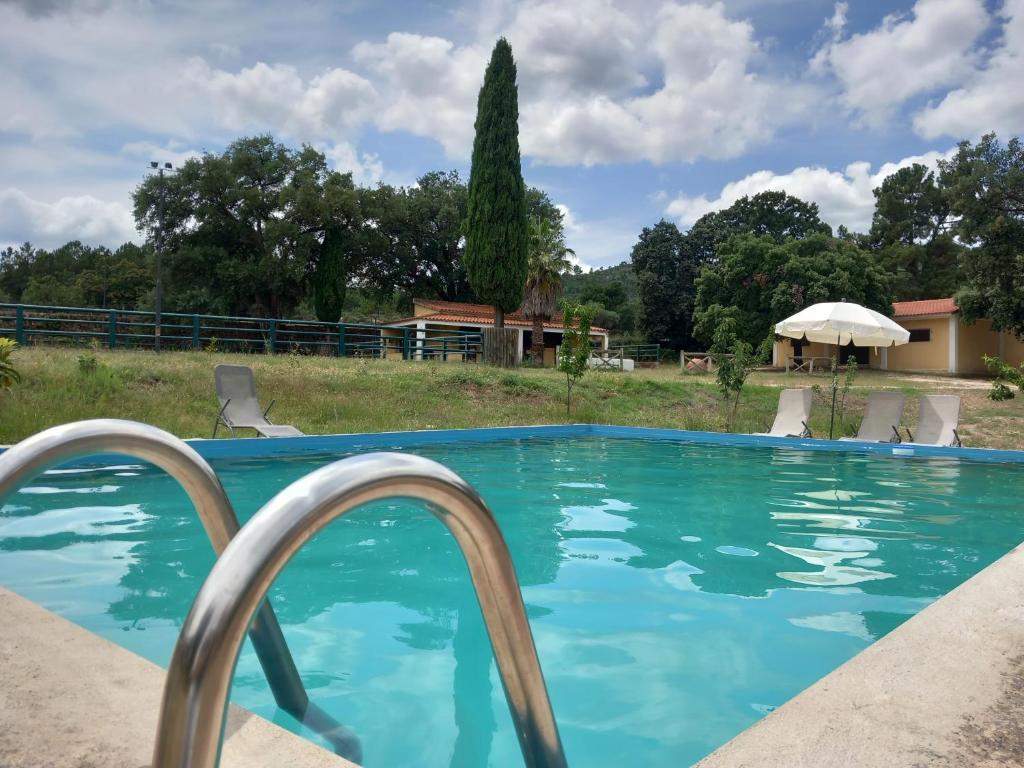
point(158, 299)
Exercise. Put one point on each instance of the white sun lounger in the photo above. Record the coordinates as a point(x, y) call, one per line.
point(793, 414)
point(881, 420)
point(239, 408)
point(938, 421)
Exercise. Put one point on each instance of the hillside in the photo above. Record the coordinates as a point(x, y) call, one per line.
point(621, 273)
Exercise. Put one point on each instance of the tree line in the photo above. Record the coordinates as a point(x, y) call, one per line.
point(265, 230)
point(262, 229)
point(957, 231)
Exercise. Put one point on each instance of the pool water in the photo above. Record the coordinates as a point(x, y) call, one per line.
point(677, 592)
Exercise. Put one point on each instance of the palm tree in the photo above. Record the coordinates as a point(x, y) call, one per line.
point(548, 260)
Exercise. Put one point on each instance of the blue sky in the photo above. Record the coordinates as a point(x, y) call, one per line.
point(630, 111)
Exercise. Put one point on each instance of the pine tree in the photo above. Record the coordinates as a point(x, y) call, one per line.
point(496, 228)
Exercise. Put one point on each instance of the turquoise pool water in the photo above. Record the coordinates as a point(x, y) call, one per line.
point(677, 591)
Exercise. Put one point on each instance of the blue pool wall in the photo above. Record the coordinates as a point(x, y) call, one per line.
point(254, 447)
point(243, 447)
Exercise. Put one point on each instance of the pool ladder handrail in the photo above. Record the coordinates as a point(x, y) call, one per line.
point(58, 445)
point(198, 685)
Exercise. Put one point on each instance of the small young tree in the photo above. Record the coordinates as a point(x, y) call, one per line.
point(574, 357)
point(736, 360)
point(848, 379)
point(1004, 374)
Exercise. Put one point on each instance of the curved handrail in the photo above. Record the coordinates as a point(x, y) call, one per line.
point(199, 677)
point(57, 445)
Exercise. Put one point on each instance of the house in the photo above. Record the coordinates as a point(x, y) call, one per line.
point(437, 319)
point(940, 342)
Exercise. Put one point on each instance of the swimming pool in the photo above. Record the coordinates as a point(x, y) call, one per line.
point(677, 590)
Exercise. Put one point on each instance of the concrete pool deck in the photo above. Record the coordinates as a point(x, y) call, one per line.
point(943, 690)
point(71, 699)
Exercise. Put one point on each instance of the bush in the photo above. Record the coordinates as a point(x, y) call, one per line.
point(1004, 374)
point(9, 375)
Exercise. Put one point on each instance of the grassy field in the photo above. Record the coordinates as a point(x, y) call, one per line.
point(325, 395)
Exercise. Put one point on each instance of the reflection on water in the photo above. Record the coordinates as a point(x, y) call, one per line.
point(677, 592)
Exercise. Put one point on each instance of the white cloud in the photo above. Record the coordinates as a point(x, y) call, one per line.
point(905, 56)
point(843, 197)
point(366, 168)
point(173, 152)
point(429, 87)
point(837, 23)
point(599, 242)
point(581, 71)
point(276, 98)
point(585, 46)
point(993, 98)
point(48, 225)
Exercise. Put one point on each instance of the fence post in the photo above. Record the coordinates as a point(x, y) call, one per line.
point(19, 324)
point(196, 342)
point(406, 354)
point(444, 348)
point(341, 340)
point(112, 329)
point(273, 337)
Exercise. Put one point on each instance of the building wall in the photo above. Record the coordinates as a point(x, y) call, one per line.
point(418, 310)
point(435, 333)
point(1013, 350)
point(930, 355)
point(976, 340)
point(784, 349)
point(394, 343)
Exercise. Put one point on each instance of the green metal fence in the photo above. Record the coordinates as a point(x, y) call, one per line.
point(644, 355)
point(130, 329)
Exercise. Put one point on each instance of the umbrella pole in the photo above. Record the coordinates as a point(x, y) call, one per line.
point(832, 422)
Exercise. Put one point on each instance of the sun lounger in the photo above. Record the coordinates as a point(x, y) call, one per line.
point(881, 420)
point(793, 414)
point(239, 408)
point(938, 421)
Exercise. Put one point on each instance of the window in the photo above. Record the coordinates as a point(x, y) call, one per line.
point(921, 334)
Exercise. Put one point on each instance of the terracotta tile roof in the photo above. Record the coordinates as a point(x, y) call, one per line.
point(464, 308)
point(925, 307)
point(473, 314)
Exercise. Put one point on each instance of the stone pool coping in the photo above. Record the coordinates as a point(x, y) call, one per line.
point(943, 690)
point(70, 699)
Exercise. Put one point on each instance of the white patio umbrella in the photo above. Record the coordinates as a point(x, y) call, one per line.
point(842, 323)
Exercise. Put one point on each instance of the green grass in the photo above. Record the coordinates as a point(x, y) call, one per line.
point(326, 395)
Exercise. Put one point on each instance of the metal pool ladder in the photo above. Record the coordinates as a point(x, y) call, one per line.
point(195, 698)
point(58, 445)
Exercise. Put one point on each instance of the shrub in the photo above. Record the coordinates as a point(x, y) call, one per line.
point(1004, 374)
point(9, 375)
point(87, 364)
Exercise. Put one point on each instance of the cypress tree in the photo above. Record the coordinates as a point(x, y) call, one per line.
point(329, 278)
point(496, 228)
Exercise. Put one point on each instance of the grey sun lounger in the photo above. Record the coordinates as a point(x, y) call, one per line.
point(793, 414)
point(239, 408)
point(938, 421)
point(881, 420)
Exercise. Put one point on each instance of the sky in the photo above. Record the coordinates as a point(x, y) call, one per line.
point(630, 111)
